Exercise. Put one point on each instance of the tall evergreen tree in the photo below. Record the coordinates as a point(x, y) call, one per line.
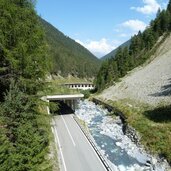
point(169, 11)
point(23, 142)
point(169, 7)
point(22, 45)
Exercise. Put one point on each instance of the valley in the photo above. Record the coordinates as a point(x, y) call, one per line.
point(48, 120)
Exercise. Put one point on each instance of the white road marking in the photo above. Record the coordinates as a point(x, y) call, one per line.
point(68, 131)
point(59, 144)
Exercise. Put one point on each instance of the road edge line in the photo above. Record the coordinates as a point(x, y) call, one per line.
point(91, 143)
point(59, 145)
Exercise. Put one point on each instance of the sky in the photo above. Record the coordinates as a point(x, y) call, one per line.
point(99, 25)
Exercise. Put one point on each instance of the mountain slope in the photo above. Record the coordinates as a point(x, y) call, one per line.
point(142, 46)
point(68, 56)
point(144, 96)
point(113, 52)
point(148, 84)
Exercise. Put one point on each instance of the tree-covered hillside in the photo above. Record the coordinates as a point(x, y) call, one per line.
point(141, 47)
point(113, 52)
point(68, 56)
point(23, 66)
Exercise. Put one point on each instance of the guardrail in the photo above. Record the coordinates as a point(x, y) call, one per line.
point(106, 165)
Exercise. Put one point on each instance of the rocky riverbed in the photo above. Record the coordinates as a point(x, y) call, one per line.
point(121, 152)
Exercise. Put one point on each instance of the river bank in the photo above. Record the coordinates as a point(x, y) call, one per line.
point(118, 149)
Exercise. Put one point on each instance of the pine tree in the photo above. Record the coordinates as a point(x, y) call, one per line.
point(169, 7)
point(23, 143)
point(22, 46)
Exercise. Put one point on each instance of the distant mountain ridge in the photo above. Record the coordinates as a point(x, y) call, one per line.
point(113, 52)
point(69, 57)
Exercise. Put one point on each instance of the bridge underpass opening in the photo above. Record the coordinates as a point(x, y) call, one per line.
point(66, 103)
point(63, 107)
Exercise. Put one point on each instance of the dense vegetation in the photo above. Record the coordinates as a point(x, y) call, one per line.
point(141, 47)
point(68, 56)
point(23, 136)
point(113, 52)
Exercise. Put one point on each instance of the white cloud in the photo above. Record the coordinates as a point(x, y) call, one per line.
point(98, 48)
point(117, 30)
point(150, 7)
point(123, 35)
point(134, 25)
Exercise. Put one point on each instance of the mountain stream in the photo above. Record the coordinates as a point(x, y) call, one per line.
point(117, 149)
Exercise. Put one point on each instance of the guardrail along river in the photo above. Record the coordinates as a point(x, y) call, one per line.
point(119, 151)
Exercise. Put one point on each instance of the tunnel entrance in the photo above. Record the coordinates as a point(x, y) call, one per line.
point(64, 109)
point(66, 103)
point(61, 109)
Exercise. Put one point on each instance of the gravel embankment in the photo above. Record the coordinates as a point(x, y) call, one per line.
point(150, 83)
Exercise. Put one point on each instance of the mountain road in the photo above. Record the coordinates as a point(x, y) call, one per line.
point(76, 153)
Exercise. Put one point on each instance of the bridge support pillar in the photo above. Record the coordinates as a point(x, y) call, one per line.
point(70, 104)
point(48, 110)
point(74, 105)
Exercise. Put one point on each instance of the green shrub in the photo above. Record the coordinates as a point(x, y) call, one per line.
point(54, 107)
point(86, 93)
point(23, 143)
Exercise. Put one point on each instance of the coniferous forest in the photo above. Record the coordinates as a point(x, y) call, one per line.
point(68, 56)
point(23, 137)
point(141, 47)
point(30, 49)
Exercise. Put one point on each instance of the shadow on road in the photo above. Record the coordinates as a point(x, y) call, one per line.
point(64, 109)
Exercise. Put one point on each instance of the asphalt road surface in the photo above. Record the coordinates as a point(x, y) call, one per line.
point(76, 153)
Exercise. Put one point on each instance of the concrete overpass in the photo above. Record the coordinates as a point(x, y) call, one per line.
point(71, 141)
point(68, 99)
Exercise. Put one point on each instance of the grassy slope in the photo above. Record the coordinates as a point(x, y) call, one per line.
point(153, 124)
